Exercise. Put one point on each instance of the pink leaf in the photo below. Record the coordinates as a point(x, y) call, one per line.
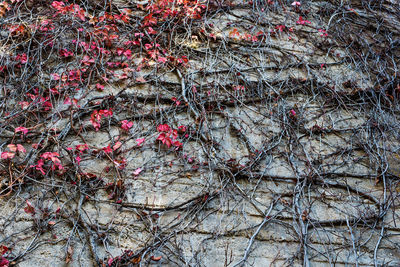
point(140, 141)
point(140, 80)
point(151, 31)
point(106, 112)
point(67, 101)
point(128, 53)
point(154, 258)
point(182, 128)
point(117, 145)
point(120, 51)
point(177, 144)
point(12, 147)
point(55, 76)
point(162, 59)
point(126, 125)
point(57, 4)
point(137, 171)
point(24, 104)
point(7, 155)
point(323, 33)
point(3, 250)
point(20, 148)
point(99, 87)
point(4, 262)
point(21, 129)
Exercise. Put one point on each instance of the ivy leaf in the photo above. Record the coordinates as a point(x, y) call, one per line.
point(137, 171)
point(140, 141)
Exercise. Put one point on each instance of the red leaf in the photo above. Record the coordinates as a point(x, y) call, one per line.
point(29, 208)
point(163, 128)
point(99, 87)
point(120, 51)
point(162, 59)
point(67, 101)
point(185, 59)
point(177, 144)
point(126, 125)
point(20, 148)
point(107, 149)
point(182, 129)
point(234, 33)
point(301, 21)
point(151, 31)
point(3, 250)
point(4, 262)
point(106, 112)
point(128, 53)
point(21, 129)
point(117, 145)
point(165, 139)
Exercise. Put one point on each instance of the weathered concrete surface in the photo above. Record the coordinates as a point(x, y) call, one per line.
point(253, 180)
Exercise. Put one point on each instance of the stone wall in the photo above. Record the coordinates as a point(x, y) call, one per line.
point(290, 155)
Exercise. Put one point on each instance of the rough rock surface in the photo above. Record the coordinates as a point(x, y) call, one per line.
point(290, 155)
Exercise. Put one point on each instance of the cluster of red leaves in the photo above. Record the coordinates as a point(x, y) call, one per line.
point(96, 116)
point(168, 136)
point(30, 209)
point(74, 9)
point(3, 261)
point(126, 125)
point(40, 100)
point(302, 21)
point(52, 158)
point(246, 36)
point(79, 151)
point(13, 150)
point(167, 9)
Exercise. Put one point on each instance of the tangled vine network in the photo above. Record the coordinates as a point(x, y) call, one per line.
point(199, 133)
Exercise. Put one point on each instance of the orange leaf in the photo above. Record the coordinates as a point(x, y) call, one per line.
point(156, 258)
